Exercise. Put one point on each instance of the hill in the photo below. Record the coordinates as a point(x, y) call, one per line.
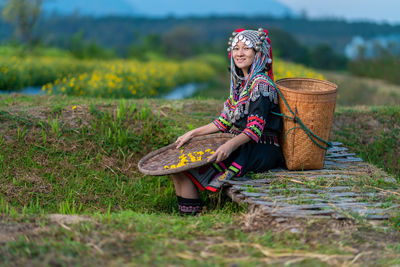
point(90, 7)
point(167, 8)
point(120, 31)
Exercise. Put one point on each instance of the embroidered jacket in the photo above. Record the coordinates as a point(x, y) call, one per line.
point(250, 110)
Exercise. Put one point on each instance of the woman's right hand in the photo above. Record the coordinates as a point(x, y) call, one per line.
point(184, 138)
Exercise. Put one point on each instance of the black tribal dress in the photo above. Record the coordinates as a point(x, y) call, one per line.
point(248, 112)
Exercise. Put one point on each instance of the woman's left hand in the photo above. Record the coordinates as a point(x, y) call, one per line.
point(222, 153)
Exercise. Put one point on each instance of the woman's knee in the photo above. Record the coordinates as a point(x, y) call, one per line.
point(179, 177)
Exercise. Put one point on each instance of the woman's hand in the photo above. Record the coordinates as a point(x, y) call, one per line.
point(184, 138)
point(222, 153)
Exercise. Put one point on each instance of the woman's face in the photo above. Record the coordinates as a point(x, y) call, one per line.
point(243, 56)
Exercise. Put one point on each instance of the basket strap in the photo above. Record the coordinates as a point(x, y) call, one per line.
point(294, 117)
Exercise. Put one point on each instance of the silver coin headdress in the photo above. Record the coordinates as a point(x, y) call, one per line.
point(258, 40)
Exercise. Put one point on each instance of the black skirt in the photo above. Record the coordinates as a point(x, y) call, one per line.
point(249, 157)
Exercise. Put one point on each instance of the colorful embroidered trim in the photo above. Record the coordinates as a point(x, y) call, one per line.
point(236, 168)
point(212, 189)
point(188, 206)
point(216, 166)
point(189, 209)
point(223, 123)
point(194, 181)
point(255, 127)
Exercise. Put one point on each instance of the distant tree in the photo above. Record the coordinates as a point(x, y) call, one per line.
point(182, 41)
point(85, 50)
point(24, 15)
point(323, 57)
point(286, 46)
point(147, 48)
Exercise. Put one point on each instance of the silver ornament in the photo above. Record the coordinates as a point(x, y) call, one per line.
point(262, 38)
point(229, 49)
point(229, 43)
point(230, 39)
point(269, 61)
point(248, 42)
point(241, 37)
point(257, 48)
point(234, 33)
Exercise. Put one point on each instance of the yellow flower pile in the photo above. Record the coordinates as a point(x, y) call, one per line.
point(193, 156)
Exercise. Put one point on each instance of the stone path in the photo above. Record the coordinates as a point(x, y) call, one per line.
point(345, 188)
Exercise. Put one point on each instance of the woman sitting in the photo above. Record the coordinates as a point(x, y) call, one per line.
point(247, 114)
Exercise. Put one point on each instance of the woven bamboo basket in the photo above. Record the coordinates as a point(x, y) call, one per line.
point(313, 101)
point(154, 163)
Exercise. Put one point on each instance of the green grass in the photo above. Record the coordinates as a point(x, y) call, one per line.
point(373, 132)
point(216, 239)
point(85, 159)
point(353, 91)
point(55, 158)
point(386, 67)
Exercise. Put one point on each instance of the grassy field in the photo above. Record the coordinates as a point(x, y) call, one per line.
point(77, 157)
point(354, 90)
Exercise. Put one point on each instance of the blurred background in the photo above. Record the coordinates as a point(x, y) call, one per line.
point(176, 48)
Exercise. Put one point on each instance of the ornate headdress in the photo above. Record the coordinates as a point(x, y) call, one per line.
point(259, 41)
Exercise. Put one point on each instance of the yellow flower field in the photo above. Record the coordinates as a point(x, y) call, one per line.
point(17, 72)
point(123, 78)
point(119, 78)
point(284, 69)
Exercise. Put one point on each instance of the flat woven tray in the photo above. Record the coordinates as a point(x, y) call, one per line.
point(195, 153)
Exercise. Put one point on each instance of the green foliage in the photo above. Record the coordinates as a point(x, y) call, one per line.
point(385, 68)
point(149, 49)
point(286, 46)
point(323, 57)
point(182, 41)
point(21, 50)
point(88, 50)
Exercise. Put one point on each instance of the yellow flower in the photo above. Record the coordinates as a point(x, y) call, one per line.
point(74, 107)
point(166, 167)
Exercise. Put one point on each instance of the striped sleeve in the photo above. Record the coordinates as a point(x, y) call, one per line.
point(223, 122)
point(255, 126)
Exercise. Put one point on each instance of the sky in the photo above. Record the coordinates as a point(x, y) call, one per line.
point(375, 10)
